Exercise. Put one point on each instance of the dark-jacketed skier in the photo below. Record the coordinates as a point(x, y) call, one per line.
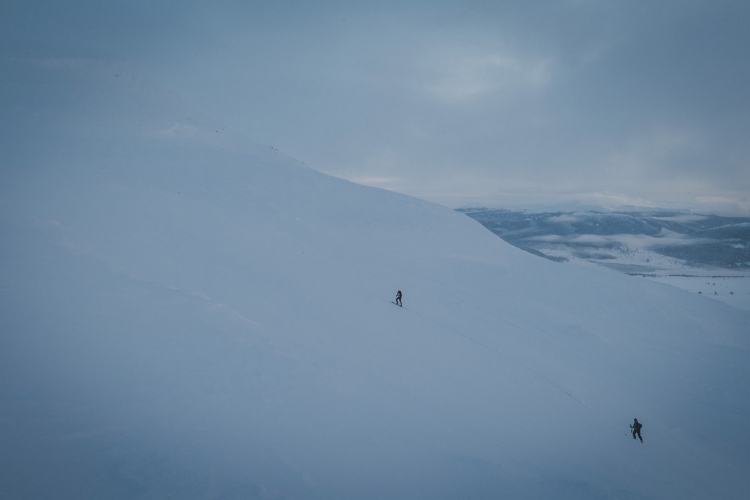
point(398, 299)
point(636, 429)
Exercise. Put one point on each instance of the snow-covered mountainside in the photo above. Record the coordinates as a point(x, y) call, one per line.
point(186, 316)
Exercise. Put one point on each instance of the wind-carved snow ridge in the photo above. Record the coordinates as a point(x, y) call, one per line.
point(188, 320)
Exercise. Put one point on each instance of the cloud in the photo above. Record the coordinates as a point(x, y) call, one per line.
point(664, 238)
point(563, 218)
point(458, 74)
point(576, 101)
point(656, 150)
point(739, 204)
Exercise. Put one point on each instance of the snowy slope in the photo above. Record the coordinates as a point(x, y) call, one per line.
point(184, 315)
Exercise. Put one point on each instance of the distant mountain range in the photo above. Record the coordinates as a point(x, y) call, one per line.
point(633, 242)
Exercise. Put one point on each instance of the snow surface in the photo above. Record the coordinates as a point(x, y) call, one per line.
point(732, 290)
point(184, 316)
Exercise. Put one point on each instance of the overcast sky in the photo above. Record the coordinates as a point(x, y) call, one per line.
point(501, 103)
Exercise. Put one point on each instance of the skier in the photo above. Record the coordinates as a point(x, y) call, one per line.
point(636, 429)
point(398, 299)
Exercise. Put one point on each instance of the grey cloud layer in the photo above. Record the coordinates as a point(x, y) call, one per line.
point(494, 102)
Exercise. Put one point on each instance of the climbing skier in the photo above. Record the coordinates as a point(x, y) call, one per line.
point(636, 429)
point(398, 299)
